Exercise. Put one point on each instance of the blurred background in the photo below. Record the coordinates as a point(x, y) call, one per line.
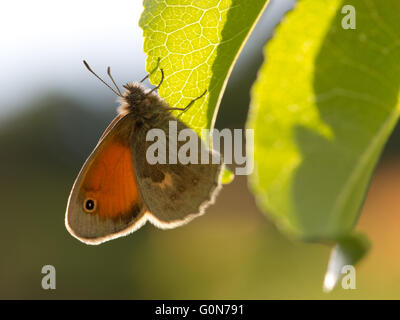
point(52, 112)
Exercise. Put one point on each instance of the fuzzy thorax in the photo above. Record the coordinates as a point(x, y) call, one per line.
point(137, 99)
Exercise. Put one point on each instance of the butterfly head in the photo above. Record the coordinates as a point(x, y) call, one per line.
point(134, 97)
point(135, 94)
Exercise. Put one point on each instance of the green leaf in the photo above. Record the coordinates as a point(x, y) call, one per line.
point(227, 175)
point(323, 106)
point(198, 43)
point(348, 251)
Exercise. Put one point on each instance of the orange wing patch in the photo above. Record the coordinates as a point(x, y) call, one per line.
point(109, 181)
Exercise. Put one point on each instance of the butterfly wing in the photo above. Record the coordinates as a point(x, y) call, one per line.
point(174, 194)
point(105, 202)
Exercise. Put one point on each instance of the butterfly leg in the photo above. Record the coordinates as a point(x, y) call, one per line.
point(190, 103)
point(152, 71)
point(161, 81)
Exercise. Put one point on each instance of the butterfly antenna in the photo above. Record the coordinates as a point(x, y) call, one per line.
point(87, 66)
point(112, 79)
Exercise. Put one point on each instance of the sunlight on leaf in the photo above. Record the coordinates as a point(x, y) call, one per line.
point(198, 43)
point(323, 107)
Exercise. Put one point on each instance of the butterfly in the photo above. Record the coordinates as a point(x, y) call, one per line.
point(118, 190)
